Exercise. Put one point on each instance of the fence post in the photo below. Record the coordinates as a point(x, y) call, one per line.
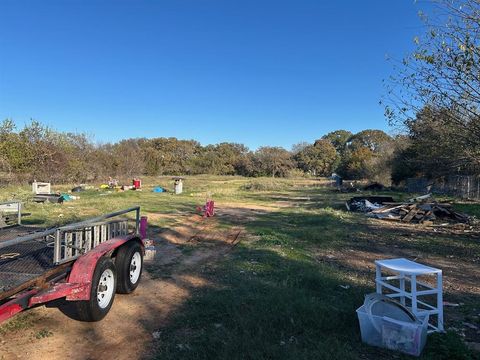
point(137, 221)
point(143, 227)
point(57, 248)
point(468, 187)
point(19, 214)
point(478, 188)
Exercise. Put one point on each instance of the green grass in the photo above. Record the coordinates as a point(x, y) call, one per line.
point(95, 202)
point(43, 333)
point(274, 299)
point(276, 296)
point(19, 322)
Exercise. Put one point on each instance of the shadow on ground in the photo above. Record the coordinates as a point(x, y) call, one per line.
point(277, 296)
point(286, 287)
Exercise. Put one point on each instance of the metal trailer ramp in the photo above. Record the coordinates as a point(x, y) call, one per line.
point(25, 261)
point(31, 256)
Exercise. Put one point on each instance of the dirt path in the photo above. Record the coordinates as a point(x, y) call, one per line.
point(129, 328)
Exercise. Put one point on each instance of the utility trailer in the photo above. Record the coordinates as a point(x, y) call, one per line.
point(82, 265)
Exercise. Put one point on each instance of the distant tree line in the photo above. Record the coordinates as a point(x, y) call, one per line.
point(433, 98)
point(38, 152)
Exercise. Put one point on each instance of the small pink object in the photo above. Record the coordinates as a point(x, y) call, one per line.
point(143, 227)
point(209, 209)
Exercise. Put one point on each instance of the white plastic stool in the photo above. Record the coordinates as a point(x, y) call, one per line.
point(407, 270)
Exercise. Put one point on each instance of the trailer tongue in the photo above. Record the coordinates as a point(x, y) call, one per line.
point(85, 263)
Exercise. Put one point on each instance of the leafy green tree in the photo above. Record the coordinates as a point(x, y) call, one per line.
point(11, 150)
point(434, 92)
point(102, 162)
point(319, 159)
point(273, 161)
point(432, 151)
point(367, 156)
point(245, 165)
point(338, 138)
point(374, 140)
point(354, 163)
point(170, 156)
point(129, 158)
point(38, 152)
point(220, 159)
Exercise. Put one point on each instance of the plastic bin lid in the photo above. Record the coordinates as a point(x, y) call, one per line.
point(382, 306)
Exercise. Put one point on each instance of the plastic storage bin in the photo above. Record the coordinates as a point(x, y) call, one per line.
point(407, 337)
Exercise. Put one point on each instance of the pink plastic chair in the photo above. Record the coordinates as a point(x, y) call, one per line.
point(209, 209)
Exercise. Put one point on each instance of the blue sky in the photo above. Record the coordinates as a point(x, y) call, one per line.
point(258, 72)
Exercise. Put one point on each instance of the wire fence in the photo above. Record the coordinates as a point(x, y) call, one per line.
point(463, 186)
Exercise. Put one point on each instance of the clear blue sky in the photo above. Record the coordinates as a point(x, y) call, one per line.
point(258, 72)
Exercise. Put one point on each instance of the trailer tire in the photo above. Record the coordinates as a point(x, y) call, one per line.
point(129, 261)
point(102, 293)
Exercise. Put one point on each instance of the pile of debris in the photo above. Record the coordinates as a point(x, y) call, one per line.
point(367, 203)
point(425, 213)
point(349, 187)
point(375, 186)
point(421, 210)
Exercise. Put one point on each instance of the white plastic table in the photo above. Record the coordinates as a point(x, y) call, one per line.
point(407, 270)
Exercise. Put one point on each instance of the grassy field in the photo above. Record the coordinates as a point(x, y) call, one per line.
point(290, 289)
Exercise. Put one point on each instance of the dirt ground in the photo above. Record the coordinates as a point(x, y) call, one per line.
point(460, 274)
point(134, 319)
point(129, 330)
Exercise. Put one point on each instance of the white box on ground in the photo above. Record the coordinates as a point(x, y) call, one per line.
point(39, 188)
point(150, 250)
point(382, 331)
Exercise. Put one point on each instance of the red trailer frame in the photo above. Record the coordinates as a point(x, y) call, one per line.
point(72, 278)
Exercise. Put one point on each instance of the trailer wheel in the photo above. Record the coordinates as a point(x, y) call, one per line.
point(129, 262)
point(102, 293)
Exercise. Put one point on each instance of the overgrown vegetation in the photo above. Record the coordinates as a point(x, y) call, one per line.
point(291, 292)
point(434, 94)
point(37, 152)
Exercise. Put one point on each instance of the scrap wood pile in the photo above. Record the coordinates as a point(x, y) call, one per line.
point(421, 210)
point(425, 213)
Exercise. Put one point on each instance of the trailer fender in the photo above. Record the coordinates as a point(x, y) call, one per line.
point(84, 266)
point(57, 291)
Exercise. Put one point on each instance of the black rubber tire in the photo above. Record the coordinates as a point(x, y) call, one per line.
point(123, 261)
point(89, 310)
